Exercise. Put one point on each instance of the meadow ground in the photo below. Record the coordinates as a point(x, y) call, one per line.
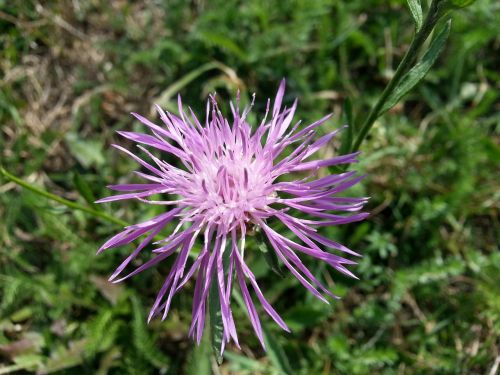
point(428, 298)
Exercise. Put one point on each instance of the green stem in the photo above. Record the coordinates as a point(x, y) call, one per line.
point(63, 201)
point(405, 65)
point(99, 214)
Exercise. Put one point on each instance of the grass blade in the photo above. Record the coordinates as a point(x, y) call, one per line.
point(276, 353)
point(164, 99)
point(84, 189)
point(347, 134)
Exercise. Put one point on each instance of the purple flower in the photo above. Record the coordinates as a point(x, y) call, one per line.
point(232, 179)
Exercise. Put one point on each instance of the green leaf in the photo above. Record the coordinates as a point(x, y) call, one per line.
point(164, 99)
point(347, 118)
point(269, 254)
point(87, 151)
point(418, 72)
point(416, 12)
point(199, 362)
point(224, 42)
point(276, 353)
point(142, 340)
point(302, 316)
point(216, 326)
point(214, 310)
point(239, 362)
point(462, 3)
point(98, 334)
point(23, 362)
point(63, 357)
point(84, 189)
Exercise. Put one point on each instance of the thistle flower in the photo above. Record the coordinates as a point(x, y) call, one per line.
point(229, 182)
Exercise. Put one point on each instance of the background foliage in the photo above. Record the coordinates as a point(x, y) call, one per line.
point(428, 298)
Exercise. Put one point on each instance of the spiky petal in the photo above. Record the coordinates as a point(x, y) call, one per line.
point(227, 182)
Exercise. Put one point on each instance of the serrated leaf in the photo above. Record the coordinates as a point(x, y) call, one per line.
point(416, 12)
point(142, 339)
point(64, 357)
point(418, 72)
point(99, 334)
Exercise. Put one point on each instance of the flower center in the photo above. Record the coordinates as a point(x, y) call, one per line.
point(229, 189)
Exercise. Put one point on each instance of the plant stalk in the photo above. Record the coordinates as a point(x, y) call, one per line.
point(66, 202)
point(433, 15)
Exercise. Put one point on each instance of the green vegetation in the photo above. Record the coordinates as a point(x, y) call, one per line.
point(428, 298)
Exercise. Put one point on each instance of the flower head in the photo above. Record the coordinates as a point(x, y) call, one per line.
point(232, 178)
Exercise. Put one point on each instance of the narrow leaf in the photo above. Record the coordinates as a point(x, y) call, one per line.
point(84, 189)
point(269, 254)
point(347, 118)
point(462, 3)
point(239, 362)
point(416, 12)
point(216, 326)
point(214, 309)
point(199, 361)
point(418, 72)
point(224, 42)
point(164, 99)
point(276, 353)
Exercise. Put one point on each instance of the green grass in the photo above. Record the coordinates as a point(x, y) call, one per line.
point(428, 298)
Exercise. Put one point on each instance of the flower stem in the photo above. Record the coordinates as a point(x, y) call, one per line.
point(404, 66)
point(56, 198)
